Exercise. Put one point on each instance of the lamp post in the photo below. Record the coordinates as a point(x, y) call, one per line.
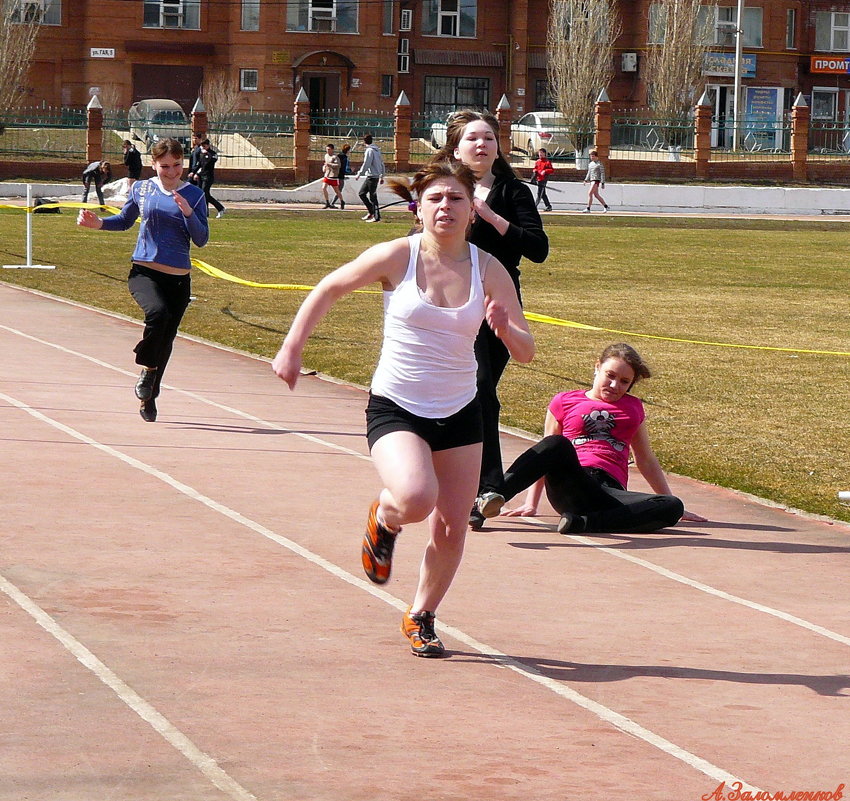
point(739, 44)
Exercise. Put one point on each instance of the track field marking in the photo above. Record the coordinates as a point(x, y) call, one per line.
point(202, 761)
point(694, 584)
point(606, 714)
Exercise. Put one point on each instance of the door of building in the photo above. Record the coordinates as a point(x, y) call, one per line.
point(172, 82)
point(722, 98)
point(322, 90)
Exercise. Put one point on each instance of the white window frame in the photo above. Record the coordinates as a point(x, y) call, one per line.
point(406, 20)
point(724, 32)
point(834, 28)
point(452, 18)
point(435, 17)
point(403, 64)
point(244, 85)
point(825, 90)
point(174, 11)
point(250, 18)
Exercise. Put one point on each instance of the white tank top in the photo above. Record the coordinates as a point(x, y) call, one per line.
point(427, 363)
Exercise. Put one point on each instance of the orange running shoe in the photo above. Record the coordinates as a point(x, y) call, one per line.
point(378, 544)
point(419, 629)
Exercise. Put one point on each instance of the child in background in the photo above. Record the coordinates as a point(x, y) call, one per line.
point(542, 170)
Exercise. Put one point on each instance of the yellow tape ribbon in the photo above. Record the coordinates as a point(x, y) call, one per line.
point(214, 272)
point(69, 205)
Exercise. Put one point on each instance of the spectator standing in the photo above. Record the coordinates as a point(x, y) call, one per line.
point(344, 169)
point(596, 178)
point(99, 172)
point(372, 169)
point(330, 172)
point(133, 163)
point(206, 174)
point(542, 170)
point(194, 160)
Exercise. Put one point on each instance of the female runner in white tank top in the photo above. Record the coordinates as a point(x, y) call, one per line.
point(424, 423)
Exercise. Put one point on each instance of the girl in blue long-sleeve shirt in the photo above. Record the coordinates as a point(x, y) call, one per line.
point(173, 215)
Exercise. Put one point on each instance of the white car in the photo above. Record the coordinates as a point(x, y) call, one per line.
point(152, 120)
point(541, 129)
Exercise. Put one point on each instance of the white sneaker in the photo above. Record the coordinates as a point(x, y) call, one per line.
point(490, 504)
point(366, 217)
point(585, 211)
point(605, 210)
point(220, 214)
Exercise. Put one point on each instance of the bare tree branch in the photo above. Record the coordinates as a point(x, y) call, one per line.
point(18, 33)
point(580, 43)
point(221, 96)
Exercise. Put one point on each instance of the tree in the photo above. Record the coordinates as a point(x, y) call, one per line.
point(680, 33)
point(580, 47)
point(221, 97)
point(18, 32)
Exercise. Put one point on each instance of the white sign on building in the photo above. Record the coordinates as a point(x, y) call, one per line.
point(103, 52)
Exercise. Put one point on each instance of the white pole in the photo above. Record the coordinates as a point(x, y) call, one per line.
point(29, 265)
point(736, 99)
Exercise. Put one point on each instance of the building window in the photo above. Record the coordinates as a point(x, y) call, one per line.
point(791, 29)
point(386, 86)
point(832, 31)
point(389, 15)
point(249, 80)
point(543, 100)
point(406, 20)
point(449, 18)
point(184, 14)
point(444, 94)
point(250, 15)
point(322, 16)
point(404, 55)
point(45, 12)
point(723, 20)
point(825, 104)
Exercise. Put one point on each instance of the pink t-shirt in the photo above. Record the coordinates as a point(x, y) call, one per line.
point(601, 432)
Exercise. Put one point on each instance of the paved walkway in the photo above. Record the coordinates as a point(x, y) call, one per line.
point(184, 617)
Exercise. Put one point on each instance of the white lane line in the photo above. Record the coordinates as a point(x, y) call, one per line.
point(706, 588)
point(202, 761)
point(615, 719)
point(193, 395)
point(697, 585)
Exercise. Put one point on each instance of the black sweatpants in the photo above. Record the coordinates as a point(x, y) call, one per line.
point(492, 357)
point(205, 182)
point(163, 298)
point(589, 492)
point(368, 194)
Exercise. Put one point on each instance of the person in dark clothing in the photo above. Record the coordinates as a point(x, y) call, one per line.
point(508, 226)
point(206, 174)
point(194, 160)
point(344, 169)
point(133, 162)
point(99, 172)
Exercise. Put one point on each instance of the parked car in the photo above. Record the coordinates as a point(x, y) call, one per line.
point(541, 129)
point(438, 134)
point(152, 120)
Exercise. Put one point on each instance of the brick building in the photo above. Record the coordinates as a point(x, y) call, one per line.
point(441, 53)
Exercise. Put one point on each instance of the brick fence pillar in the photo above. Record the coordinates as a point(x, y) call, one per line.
point(200, 123)
point(94, 130)
point(401, 137)
point(503, 115)
point(602, 124)
point(702, 135)
point(301, 140)
point(800, 120)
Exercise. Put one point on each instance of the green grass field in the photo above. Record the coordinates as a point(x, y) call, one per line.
point(769, 422)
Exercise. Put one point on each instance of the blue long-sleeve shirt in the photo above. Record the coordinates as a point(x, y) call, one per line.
point(164, 234)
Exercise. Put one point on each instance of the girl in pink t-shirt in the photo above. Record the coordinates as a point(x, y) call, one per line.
point(583, 460)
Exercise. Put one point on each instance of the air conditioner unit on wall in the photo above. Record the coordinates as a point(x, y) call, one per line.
point(629, 62)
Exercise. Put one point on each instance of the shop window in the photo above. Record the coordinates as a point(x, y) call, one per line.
point(184, 14)
point(249, 80)
point(825, 104)
point(455, 18)
point(322, 16)
point(250, 15)
point(44, 12)
point(445, 94)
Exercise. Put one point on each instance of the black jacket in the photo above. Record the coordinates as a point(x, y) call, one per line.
point(512, 199)
point(206, 163)
point(133, 160)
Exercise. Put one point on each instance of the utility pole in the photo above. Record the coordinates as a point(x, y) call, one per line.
point(736, 100)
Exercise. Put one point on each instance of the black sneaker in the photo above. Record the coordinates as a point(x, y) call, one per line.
point(419, 629)
point(144, 386)
point(148, 410)
point(476, 519)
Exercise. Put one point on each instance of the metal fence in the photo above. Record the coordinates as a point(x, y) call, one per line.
point(251, 140)
point(758, 140)
point(641, 137)
point(33, 134)
point(829, 139)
